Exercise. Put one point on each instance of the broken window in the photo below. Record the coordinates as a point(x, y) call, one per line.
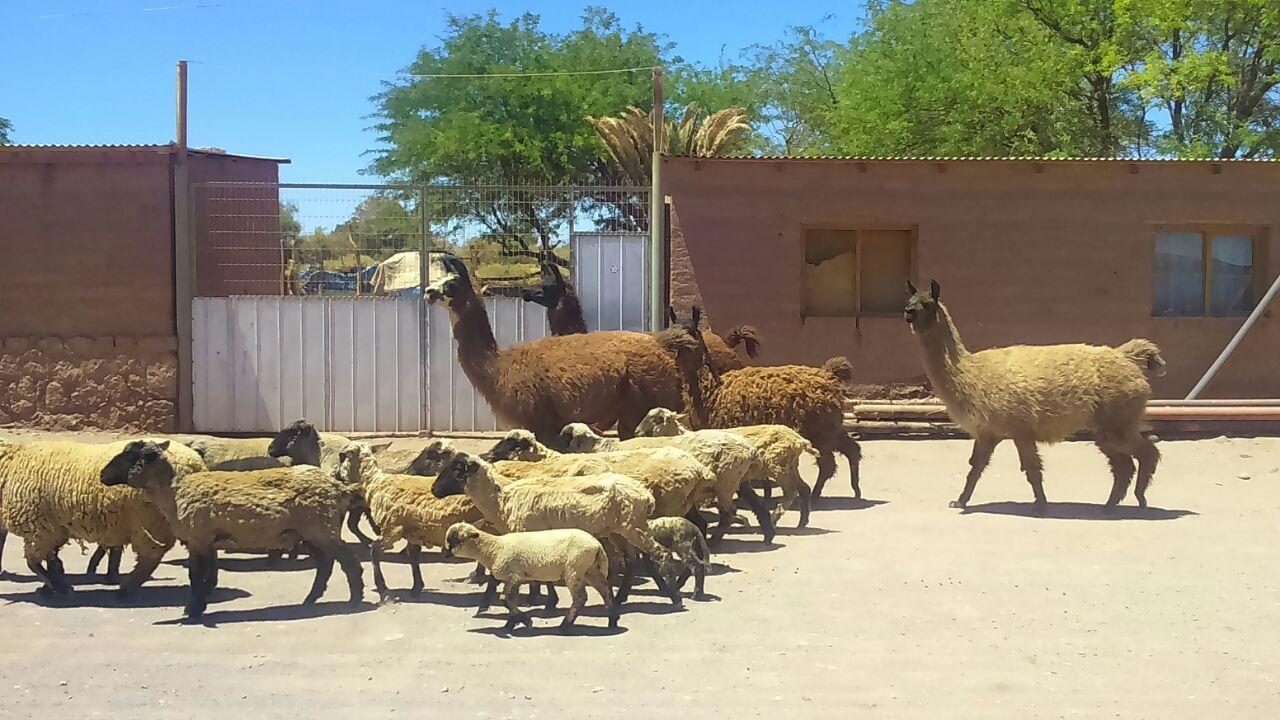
point(855, 272)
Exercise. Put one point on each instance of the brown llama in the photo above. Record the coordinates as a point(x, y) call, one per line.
point(546, 384)
point(564, 317)
point(1040, 393)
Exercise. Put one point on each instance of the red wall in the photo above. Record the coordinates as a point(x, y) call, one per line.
point(1025, 252)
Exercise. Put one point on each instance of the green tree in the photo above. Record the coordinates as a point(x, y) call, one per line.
point(514, 131)
point(6, 127)
point(797, 79)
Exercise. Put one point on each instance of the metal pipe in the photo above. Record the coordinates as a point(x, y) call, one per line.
point(1231, 346)
point(657, 259)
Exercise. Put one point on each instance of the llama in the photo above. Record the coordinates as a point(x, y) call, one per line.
point(1032, 394)
point(546, 384)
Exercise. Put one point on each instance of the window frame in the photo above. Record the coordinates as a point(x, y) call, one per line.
point(1258, 236)
point(913, 231)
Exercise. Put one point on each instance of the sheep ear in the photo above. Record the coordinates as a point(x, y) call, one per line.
point(379, 447)
point(935, 289)
point(911, 288)
point(163, 445)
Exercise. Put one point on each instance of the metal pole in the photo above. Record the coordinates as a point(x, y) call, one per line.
point(657, 259)
point(1231, 346)
point(184, 273)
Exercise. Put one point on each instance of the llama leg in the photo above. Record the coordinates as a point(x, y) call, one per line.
point(1029, 457)
point(826, 468)
point(982, 449)
point(853, 454)
point(1148, 458)
point(1121, 471)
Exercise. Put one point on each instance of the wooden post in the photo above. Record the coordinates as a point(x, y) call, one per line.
point(183, 260)
point(657, 254)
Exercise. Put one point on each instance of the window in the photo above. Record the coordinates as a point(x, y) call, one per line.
point(1204, 272)
point(855, 272)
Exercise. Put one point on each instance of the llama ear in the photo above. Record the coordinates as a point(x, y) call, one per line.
point(911, 288)
point(696, 320)
point(935, 289)
point(454, 265)
point(671, 316)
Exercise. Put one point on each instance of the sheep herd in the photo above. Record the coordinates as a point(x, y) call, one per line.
point(559, 503)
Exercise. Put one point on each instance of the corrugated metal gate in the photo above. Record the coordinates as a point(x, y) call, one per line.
point(351, 361)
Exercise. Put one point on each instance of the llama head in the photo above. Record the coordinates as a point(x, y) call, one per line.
point(550, 290)
point(298, 440)
point(141, 464)
point(452, 282)
point(922, 307)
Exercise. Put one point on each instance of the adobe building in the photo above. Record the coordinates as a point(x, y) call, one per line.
point(816, 253)
point(88, 328)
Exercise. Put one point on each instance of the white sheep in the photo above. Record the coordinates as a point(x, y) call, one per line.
point(52, 495)
point(732, 459)
point(271, 509)
point(779, 446)
point(569, 555)
point(604, 504)
point(404, 507)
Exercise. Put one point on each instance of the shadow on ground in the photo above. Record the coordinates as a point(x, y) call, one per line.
point(845, 503)
point(148, 596)
point(277, 613)
point(1077, 511)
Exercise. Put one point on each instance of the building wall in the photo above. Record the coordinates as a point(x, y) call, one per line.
point(87, 330)
point(1025, 253)
point(236, 229)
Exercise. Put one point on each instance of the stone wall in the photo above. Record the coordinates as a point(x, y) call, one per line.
point(82, 382)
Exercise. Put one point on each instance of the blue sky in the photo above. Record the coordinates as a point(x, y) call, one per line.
point(287, 78)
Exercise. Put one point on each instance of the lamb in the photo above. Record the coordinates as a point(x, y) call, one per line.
point(273, 508)
point(541, 385)
point(779, 446)
point(404, 507)
point(570, 555)
point(52, 495)
point(730, 458)
point(1033, 394)
point(603, 504)
point(687, 545)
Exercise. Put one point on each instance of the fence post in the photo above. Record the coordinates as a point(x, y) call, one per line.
point(658, 263)
point(424, 315)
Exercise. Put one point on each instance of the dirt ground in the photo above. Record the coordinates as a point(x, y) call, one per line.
point(897, 607)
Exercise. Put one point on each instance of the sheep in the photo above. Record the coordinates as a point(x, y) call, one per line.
point(687, 545)
point(603, 504)
point(541, 385)
point(51, 495)
point(779, 446)
point(567, 554)
point(273, 508)
point(404, 507)
point(730, 458)
point(306, 446)
point(1033, 394)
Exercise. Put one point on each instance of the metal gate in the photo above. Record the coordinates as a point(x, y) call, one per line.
point(309, 297)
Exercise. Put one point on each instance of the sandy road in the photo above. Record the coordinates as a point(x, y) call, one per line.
point(899, 607)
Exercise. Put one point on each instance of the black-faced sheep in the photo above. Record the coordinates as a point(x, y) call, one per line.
point(1034, 394)
point(568, 555)
point(267, 509)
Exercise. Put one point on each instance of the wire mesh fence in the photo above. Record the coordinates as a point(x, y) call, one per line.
point(331, 239)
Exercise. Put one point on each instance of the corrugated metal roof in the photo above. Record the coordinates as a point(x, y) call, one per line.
point(963, 158)
point(165, 148)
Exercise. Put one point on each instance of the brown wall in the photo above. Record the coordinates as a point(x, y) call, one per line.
point(1025, 253)
point(237, 228)
point(87, 328)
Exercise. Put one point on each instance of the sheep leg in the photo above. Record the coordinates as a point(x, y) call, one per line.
point(1122, 469)
point(628, 573)
point(853, 454)
point(142, 570)
point(113, 564)
point(982, 449)
point(58, 573)
point(197, 574)
point(95, 559)
point(379, 582)
point(50, 585)
point(353, 524)
point(1029, 457)
point(806, 501)
point(415, 563)
point(515, 615)
point(695, 517)
point(758, 507)
point(3, 536)
point(324, 568)
point(601, 585)
point(350, 568)
point(578, 592)
point(552, 598)
point(826, 468)
point(726, 519)
point(487, 598)
point(478, 575)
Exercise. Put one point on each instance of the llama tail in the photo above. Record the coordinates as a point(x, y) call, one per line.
point(1146, 355)
point(840, 368)
point(746, 334)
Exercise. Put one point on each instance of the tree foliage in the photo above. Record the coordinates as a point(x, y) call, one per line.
point(629, 137)
point(6, 127)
